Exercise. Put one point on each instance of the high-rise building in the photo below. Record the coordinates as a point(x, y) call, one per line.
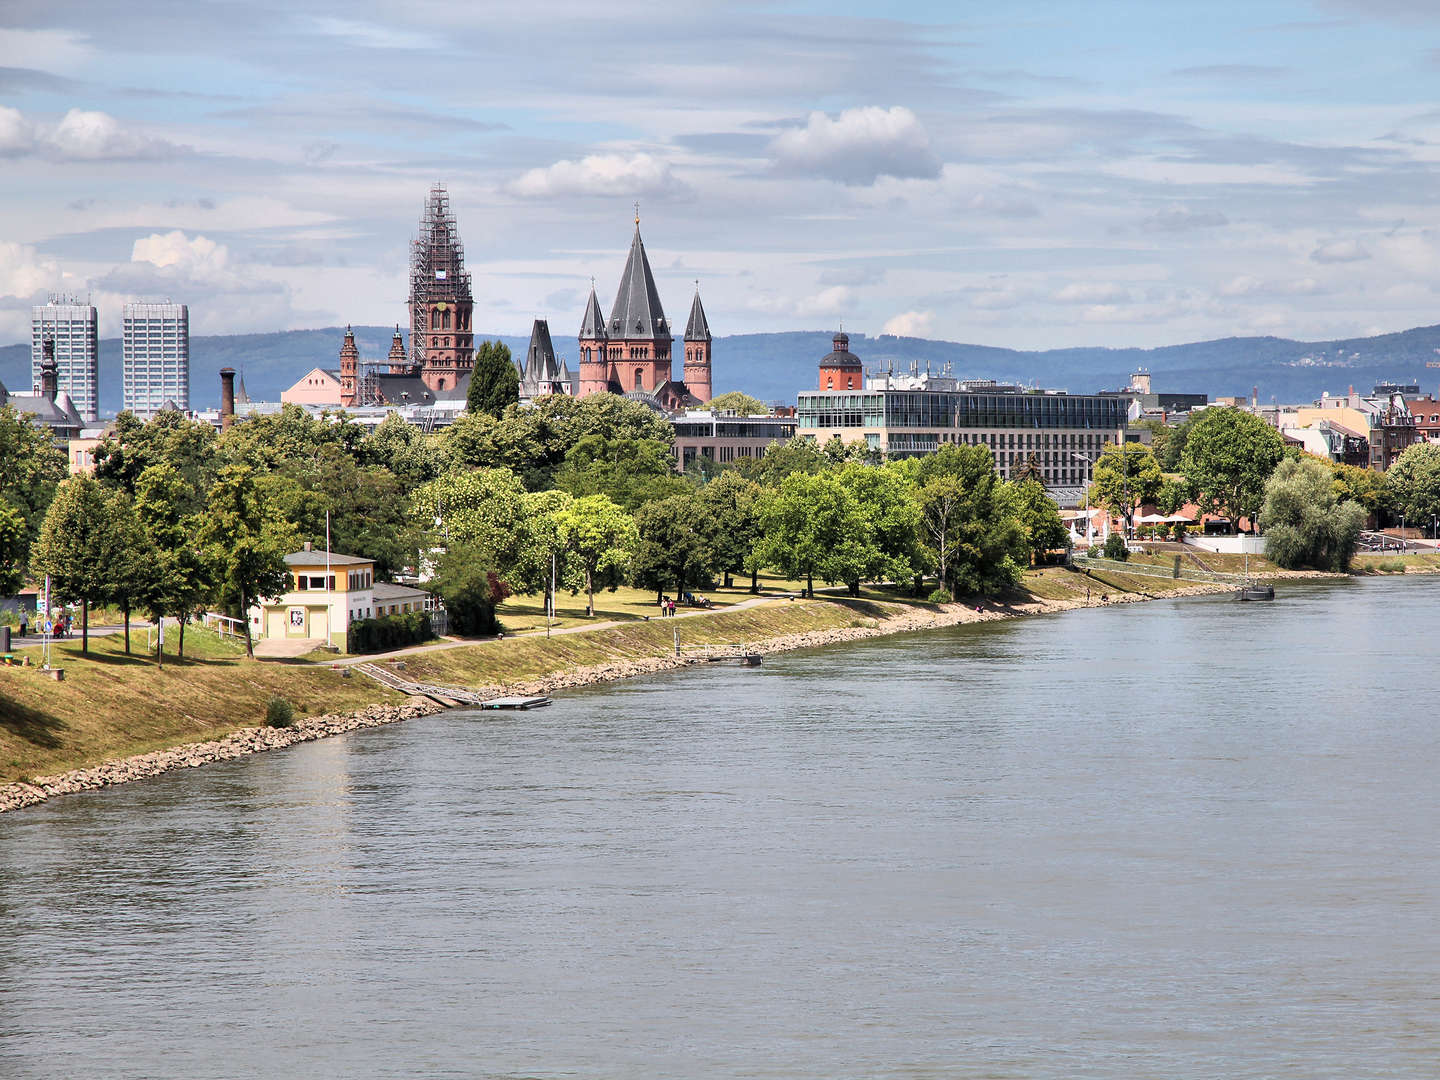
point(75, 330)
point(155, 345)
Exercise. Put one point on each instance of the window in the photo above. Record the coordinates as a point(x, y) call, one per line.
point(639, 378)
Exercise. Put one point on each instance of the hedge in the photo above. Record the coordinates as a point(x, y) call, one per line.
point(389, 632)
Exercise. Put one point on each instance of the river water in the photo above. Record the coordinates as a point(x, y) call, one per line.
point(1184, 839)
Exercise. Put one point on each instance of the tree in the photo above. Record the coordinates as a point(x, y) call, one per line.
point(412, 457)
point(674, 548)
point(737, 402)
point(481, 509)
point(1124, 478)
point(781, 459)
point(14, 548)
point(181, 576)
point(31, 469)
point(1306, 525)
point(75, 543)
point(246, 540)
point(732, 505)
point(1413, 482)
point(1229, 454)
point(494, 382)
point(600, 535)
point(466, 580)
point(170, 438)
point(887, 501)
point(1030, 470)
point(292, 436)
point(1364, 486)
point(966, 514)
point(631, 471)
point(1038, 516)
point(129, 561)
point(541, 554)
point(814, 526)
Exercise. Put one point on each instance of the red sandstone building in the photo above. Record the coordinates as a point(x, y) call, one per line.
point(630, 353)
point(442, 342)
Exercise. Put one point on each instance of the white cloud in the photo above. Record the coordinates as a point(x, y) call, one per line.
point(858, 146)
point(199, 258)
point(84, 135)
point(835, 300)
point(17, 135)
point(23, 272)
point(1340, 251)
point(910, 324)
point(599, 174)
point(1183, 219)
point(46, 50)
point(1092, 292)
point(1243, 285)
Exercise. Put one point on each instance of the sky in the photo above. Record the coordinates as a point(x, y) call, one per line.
point(1027, 174)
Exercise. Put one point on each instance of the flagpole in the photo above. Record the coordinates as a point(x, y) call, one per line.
point(329, 590)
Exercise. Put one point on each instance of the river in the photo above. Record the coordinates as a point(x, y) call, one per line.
point(1185, 838)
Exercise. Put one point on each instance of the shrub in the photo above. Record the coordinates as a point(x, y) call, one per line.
point(1097, 551)
point(389, 632)
point(941, 596)
point(1115, 548)
point(279, 712)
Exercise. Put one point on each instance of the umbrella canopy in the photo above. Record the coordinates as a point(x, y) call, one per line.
point(1151, 519)
point(1181, 517)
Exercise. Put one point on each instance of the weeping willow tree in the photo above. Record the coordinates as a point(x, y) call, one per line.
point(1306, 524)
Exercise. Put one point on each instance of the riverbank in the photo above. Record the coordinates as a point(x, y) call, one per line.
point(82, 738)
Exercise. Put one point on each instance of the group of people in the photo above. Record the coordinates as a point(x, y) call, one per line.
point(667, 606)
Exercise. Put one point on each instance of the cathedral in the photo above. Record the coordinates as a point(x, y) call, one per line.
point(630, 353)
point(442, 342)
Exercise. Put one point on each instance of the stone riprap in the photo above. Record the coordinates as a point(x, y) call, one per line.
point(191, 755)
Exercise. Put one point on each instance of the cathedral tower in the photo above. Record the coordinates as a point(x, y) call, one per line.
point(638, 334)
point(349, 369)
point(594, 349)
point(442, 343)
point(697, 351)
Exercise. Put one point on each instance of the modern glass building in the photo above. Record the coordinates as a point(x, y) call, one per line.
point(74, 328)
point(155, 343)
point(911, 415)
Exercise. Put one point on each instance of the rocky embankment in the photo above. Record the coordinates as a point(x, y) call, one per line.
point(192, 755)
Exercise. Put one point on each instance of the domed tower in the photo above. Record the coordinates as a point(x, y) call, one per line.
point(349, 368)
point(697, 351)
point(841, 369)
point(594, 346)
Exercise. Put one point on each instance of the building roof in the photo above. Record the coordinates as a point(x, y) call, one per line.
point(540, 356)
point(697, 329)
point(411, 389)
point(840, 354)
point(593, 325)
point(385, 590)
point(317, 557)
point(57, 414)
point(637, 312)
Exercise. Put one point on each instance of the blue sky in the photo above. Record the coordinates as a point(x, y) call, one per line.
point(1027, 174)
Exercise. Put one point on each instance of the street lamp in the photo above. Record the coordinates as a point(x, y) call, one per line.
point(1089, 477)
point(1402, 534)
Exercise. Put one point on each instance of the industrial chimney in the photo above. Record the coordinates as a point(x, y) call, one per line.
point(227, 398)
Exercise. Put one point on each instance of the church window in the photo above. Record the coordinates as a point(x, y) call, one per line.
point(434, 343)
point(830, 383)
point(434, 320)
point(639, 378)
point(445, 320)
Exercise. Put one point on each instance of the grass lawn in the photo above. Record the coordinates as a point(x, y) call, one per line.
point(111, 705)
point(1392, 562)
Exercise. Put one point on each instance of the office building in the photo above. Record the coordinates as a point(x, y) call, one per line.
point(155, 347)
point(74, 328)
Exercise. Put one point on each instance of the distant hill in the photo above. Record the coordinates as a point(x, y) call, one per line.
point(774, 367)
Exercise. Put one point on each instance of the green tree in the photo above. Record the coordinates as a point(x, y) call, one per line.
point(732, 505)
point(966, 513)
point(76, 542)
point(14, 548)
point(1174, 494)
point(600, 535)
point(737, 402)
point(129, 561)
point(1413, 483)
point(1228, 456)
point(1038, 516)
point(494, 383)
point(799, 455)
point(1122, 479)
point(290, 437)
point(886, 499)
point(170, 438)
point(541, 553)
point(466, 580)
point(482, 509)
point(412, 457)
point(1306, 525)
point(632, 472)
point(1030, 470)
point(814, 527)
point(169, 510)
point(1364, 486)
point(31, 469)
point(674, 548)
point(246, 539)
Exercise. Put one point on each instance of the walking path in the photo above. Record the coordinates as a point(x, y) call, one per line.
point(579, 628)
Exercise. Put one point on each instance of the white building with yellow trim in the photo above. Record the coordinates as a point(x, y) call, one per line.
point(328, 591)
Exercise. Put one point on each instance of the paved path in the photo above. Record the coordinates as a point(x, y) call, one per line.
point(579, 628)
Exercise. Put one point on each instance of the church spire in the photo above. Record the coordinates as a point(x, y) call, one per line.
point(698, 328)
point(637, 312)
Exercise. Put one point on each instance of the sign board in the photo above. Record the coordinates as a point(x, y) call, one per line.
point(49, 627)
point(42, 607)
point(439, 275)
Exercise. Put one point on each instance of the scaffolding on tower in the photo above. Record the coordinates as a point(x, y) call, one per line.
point(437, 267)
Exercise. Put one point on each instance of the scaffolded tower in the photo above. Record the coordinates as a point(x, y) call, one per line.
point(442, 345)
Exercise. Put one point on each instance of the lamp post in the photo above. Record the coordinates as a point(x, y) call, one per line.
point(1402, 534)
point(1089, 478)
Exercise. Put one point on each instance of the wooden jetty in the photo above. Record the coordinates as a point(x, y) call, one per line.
point(443, 695)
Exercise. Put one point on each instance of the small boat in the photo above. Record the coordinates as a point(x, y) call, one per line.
point(1255, 592)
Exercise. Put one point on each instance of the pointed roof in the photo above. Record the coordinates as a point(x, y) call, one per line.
point(542, 371)
point(637, 312)
point(697, 329)
point(593, 325)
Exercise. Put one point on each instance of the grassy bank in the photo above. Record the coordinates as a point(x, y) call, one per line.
point(112, 705)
